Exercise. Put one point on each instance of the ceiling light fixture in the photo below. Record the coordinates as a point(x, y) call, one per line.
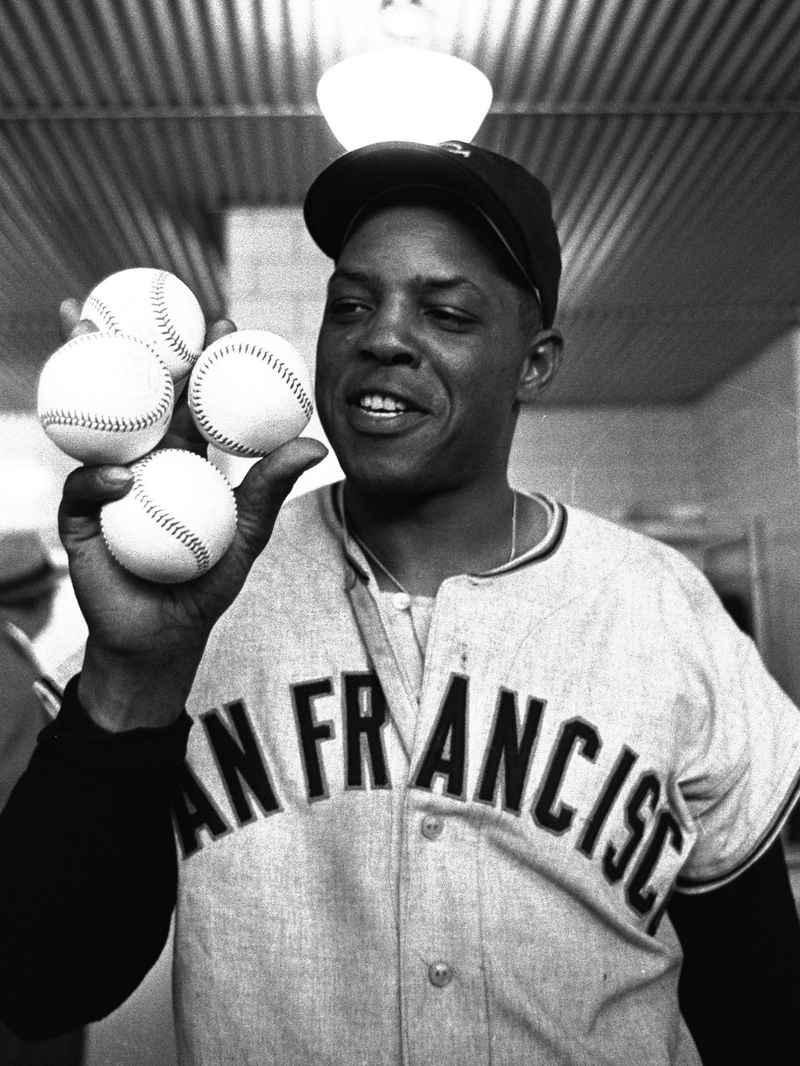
point(403, 93)
point(407, 19)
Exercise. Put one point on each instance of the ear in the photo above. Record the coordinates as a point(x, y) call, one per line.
point(542, 360)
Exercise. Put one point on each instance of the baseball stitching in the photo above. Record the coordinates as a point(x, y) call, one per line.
point(61, 417)
point(109, 321)
point(273, 361)
point(164, 321)
point(199, 551)
point(84, 421)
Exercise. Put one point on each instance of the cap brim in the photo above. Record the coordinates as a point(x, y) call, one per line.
point(353, 180)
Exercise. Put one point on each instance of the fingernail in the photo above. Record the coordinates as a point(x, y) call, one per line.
point(117, 475)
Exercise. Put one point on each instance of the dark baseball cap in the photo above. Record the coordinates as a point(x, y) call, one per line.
point(514, 202)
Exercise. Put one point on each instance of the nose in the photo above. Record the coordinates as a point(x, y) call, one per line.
point(388, 336)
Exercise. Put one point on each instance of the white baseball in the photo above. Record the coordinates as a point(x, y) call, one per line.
point(153, 304)
point(105, 399)
point(176, 521)
point(250, 392)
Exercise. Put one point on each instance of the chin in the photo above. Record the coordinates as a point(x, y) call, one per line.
point(397, 469)
point(379, 476)
point(395, 482)
point(388, 486)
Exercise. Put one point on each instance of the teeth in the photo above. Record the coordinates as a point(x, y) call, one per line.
point(377, 401)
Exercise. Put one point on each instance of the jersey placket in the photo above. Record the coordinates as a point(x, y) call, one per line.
point(442, 977)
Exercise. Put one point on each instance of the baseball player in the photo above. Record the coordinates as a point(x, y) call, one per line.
point(454, 747)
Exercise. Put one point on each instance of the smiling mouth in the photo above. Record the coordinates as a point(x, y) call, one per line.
point(381, 405)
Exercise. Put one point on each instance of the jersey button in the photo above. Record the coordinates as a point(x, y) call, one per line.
point(440, 974)
point(432, 827)
point(402, 601)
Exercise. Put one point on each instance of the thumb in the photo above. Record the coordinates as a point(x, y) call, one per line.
point(70, 322)
point(266, 486)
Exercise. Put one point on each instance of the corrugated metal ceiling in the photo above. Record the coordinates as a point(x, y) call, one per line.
point(667, 131)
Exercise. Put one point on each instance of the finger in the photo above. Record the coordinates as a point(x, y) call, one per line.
point(267, 484)
point(70, 321)
point(221, 328)
point(85, 490)
point(69, 314)
point(182, 431)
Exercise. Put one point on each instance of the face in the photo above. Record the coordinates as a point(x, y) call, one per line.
point(421, 361)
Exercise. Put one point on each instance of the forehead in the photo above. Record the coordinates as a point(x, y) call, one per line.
point(458, 237)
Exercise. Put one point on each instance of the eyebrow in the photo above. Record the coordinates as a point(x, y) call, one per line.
point(420, 281)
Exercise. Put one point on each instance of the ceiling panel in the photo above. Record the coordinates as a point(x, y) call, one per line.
point(669, 134)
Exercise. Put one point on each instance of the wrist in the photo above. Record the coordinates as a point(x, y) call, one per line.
point(123, 692)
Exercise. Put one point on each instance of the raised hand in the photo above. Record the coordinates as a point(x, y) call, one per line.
point(146, 639)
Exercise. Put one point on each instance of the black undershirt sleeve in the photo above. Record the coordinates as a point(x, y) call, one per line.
point(740, 984)
point(88, 870)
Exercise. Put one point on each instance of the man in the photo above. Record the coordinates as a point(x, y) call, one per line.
point(454, 747)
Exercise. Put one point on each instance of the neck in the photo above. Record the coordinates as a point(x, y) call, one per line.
point(423, 540)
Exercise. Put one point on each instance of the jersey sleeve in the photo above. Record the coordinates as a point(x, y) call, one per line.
point(740, 757)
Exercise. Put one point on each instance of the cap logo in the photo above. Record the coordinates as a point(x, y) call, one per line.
point(456, 147)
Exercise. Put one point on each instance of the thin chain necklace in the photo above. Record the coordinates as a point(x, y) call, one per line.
point(400, 586)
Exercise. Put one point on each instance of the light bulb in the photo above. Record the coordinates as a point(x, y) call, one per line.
point(403, 94)
point(404, 18)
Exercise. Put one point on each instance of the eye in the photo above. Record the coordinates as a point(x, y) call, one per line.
point(450, 317)
point(346, 307)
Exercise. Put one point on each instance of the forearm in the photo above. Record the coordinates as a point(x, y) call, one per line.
point(88, 870)
point(124, 692)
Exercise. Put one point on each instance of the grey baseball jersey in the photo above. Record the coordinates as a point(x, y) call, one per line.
point(472, 867)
